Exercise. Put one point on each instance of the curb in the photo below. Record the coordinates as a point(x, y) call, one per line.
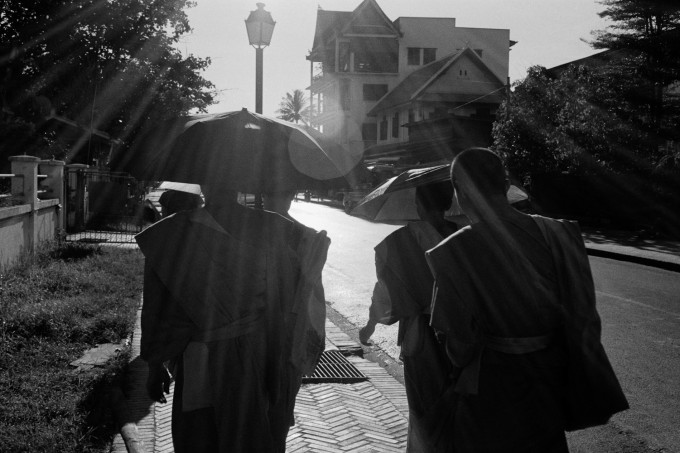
point(128, 430)
point(660, 264)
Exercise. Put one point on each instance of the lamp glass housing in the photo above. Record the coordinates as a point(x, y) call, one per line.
point(260, 27)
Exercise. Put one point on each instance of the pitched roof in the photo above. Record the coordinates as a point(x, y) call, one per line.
point(416, 83)
point(383, 26)
point(329, 23)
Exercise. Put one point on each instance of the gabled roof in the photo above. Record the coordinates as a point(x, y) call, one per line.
point(380, 23)
point(415, 84)
point(330, 23)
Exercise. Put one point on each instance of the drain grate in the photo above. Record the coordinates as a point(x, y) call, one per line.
point(334, 367)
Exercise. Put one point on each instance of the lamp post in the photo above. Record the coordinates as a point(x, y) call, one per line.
point(260, 27)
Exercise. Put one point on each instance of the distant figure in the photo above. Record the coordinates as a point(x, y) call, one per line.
point(403, 293)
point(229, 296)
point(505, 286)
point(173, 201)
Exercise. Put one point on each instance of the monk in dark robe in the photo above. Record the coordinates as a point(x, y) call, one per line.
point(498, 304)
point(403, 293)
point(227, 302)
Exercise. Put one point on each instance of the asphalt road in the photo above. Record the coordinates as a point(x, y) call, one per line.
point(639, 307)
point(640, 311)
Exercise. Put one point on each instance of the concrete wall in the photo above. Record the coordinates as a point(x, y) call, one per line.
point(24, 227)
point(494, 43)
point(442, 34)
point(425, 32)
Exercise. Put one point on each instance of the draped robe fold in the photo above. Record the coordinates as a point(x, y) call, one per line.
point(240, 305)
point(403, 293)
point(497, 301)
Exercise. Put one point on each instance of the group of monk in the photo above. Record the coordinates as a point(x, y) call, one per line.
point(234, 312)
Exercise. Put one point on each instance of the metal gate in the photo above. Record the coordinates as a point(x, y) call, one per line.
point(102, 206)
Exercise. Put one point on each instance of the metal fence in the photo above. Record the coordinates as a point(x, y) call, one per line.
point(102, 206)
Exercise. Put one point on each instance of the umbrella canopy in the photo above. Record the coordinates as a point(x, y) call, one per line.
point(395, 199)
point(240, 150)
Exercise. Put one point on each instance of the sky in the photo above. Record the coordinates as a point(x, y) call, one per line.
point(548, 33)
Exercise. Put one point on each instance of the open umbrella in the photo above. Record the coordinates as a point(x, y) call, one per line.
point(241, 150)
point(395, 199)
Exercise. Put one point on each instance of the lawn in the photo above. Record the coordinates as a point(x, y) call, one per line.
point(53, 306)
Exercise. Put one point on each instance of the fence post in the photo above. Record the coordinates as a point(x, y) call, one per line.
point(25, 184)
point(54, 185)
point(25, 189)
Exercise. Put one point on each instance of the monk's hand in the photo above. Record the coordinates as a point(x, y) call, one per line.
point(158, 382)
point(366, 332)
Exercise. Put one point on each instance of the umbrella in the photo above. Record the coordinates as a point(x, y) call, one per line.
point(241, 150)
point(395, 199)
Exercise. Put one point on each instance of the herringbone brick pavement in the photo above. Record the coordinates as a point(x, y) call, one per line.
point(341, 417)
point(364, 417)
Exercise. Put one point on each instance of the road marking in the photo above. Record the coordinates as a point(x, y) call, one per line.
point(635, 302)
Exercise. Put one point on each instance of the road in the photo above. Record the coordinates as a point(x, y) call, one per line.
point(639, 307)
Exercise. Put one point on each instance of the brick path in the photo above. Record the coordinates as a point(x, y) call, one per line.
point(370, 416)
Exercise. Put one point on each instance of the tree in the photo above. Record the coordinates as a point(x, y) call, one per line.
point(649, 31)
point(581, 122)
point(294, 107)
point(109, 64)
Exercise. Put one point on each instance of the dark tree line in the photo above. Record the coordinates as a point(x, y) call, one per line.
point(108, 64)
point(617, 113)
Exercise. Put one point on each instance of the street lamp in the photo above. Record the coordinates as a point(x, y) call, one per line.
point(260, 27)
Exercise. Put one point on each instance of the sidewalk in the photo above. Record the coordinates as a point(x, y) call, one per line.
point(627, 246)
point(369, 416)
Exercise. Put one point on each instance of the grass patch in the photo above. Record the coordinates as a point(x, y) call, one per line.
point(53, 306)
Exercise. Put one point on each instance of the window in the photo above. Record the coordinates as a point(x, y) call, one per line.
point(411, 116)
point(383, 128)
point(344, 94)
point(378, 55)
point(413, 57)
point(369, 132)
point(373, 92)
point(320, 107)
point(429, 55)
point(395, 125)
point(343, 57)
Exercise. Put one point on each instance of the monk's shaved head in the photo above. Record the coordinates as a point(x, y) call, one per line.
point(479, 170)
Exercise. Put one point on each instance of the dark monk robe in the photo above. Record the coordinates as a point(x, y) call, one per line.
point(498, 303)
point(403, 293)
point(232, 296)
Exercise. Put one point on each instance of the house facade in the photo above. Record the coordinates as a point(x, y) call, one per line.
point(378, 85)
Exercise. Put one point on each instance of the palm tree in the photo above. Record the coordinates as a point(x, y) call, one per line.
point(293, 107)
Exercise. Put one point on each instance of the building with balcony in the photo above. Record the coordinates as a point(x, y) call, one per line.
point(377, 84)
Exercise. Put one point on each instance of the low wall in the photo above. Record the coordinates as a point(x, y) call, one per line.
point(38, 188)
point(22, 228)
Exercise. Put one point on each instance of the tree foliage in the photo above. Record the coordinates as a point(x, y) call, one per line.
point(649, 30)
point(109, 64)
point(648, 27)
point(584, 121)
point(294, 107)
